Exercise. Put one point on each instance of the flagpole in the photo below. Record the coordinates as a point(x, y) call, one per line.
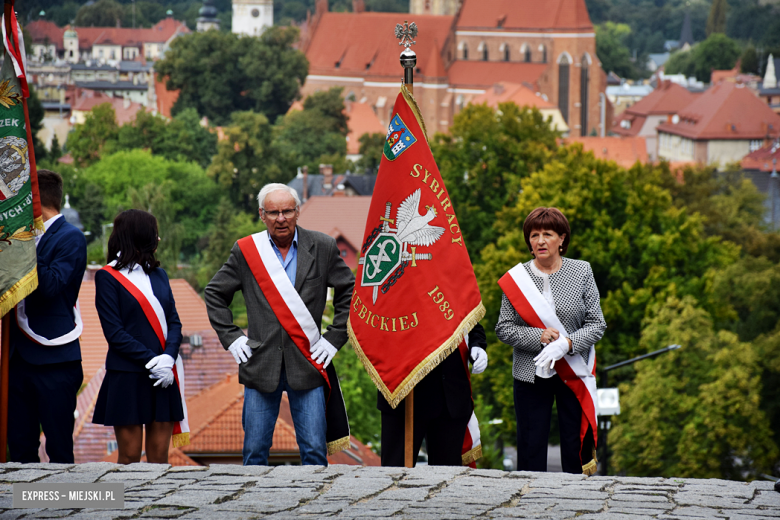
point(408, 61)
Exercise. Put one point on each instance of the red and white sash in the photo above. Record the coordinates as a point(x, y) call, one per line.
point(156, 316)
point(24, 325)
point(536, 312)
point(288, 307)
point(472, 444)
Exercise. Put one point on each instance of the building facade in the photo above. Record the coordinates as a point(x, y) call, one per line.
point(252, 17)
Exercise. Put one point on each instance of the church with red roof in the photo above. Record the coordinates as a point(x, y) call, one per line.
point(549, 47)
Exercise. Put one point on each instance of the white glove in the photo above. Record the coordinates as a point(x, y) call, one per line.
point(552, 353)
point(240, 350)
point(323, 352)
point(161, 368)
point(479, 360)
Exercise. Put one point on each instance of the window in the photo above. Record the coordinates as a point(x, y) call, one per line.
point(506, 52)
point(584, 82)
point(343, 253)
point(526, 50)
point(465, 51)
point(255, 13)
point(484, 53)
point(563, 86)
point(755, 144)
point(543, 50)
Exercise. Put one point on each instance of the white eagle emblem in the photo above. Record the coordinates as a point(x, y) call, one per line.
point(412, 227)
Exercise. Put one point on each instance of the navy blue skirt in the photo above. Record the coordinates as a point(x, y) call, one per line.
point(128, 398)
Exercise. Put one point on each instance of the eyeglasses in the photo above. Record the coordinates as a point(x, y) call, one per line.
point(287, 213)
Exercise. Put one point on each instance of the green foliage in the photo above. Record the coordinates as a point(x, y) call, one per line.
point(103, 13)
point(693, 412)
point(612, 50)
point(718, 52)
point(219, 73)
point(94, 138)
point(371, 146)
point(63, 14)
point(317, 134)
point(55, 150)
point(483, 160)
point(183, 188)
point(247, 159)
point(35, 111)
point(749, 60)
point(365, 421)
point(182, 138)
point(716, 21)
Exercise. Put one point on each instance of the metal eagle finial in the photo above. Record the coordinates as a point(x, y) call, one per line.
point(406, 33)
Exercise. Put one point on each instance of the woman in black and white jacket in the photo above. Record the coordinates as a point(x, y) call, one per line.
point(569, 288)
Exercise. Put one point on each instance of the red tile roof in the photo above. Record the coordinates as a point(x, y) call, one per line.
point(625, 151)
point(337, 216)
point(44, 31)
point(726, 111)
point(762, 158)
point(129, 37)
point(165, 98)
point(125, 111)
point(668, 99)
point(332, 50)
point(558, 15)
point(362, 120)
point(504, 91)
point(483, 74)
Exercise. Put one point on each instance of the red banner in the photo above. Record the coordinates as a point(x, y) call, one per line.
point(416, 293)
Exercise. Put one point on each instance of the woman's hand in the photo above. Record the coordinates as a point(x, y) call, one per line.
point(549, 335)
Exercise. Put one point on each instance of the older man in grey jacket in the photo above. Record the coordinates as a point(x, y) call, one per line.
point(269, 361)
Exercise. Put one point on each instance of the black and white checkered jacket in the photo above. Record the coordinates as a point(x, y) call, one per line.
point(577, 306)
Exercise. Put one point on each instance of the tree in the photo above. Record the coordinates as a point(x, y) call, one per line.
point(55, 151)
point(681, 62)
point(716, 21)
point(718, 52)
point(182, 138)
point(183, 187)
point(63, 14)
point(483, 159)
point(103, 13)
point(35, 111)
point(247, 159)
point(612, 50)
point(155, 199)
point(219, 73)
point(693, 412)
point(317, 134)
point(371, 146)
point(95, 137)
point(749, 60)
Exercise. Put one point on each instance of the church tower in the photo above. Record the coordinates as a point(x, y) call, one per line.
point(252, 17)
point(208, 17)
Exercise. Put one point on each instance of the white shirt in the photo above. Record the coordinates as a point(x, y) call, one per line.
point(548, 296)
point(46, 226)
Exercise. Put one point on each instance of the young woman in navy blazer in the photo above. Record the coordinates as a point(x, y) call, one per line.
point(139, 388)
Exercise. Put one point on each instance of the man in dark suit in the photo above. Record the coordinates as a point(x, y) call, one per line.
point(269, 361)
point(442, 409)
point(45, 365)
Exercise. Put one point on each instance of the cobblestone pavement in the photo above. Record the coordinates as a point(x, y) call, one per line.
point(353, 492)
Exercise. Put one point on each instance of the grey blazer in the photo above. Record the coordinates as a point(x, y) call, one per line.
point(320, 266)
point(577, 306)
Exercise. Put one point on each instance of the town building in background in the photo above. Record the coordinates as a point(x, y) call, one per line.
point(660, 106)
point(522, 96)
point(252, 17)
point(769, 91)
point(761, 167)
point(721, 126)
point(207, 17)
point(440, 7)
point(550, 47)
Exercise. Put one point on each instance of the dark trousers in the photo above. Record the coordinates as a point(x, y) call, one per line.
point(443, 436)
point(533, 410)
point(42, 396)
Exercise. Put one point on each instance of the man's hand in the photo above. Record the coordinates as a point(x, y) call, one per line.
point(323, 352)
point(479, 360)
point(240, 350)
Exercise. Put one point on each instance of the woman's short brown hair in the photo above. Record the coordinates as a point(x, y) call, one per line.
point(547, 218)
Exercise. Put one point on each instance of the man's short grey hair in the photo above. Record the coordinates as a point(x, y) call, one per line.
point(275, 186)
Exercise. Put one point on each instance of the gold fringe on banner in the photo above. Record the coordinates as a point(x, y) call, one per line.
point(19, 291)
point(472, 455)
point(181, 439)
point(591, 467)
point(425, 366)
point(415, 109)
point(338, 445)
